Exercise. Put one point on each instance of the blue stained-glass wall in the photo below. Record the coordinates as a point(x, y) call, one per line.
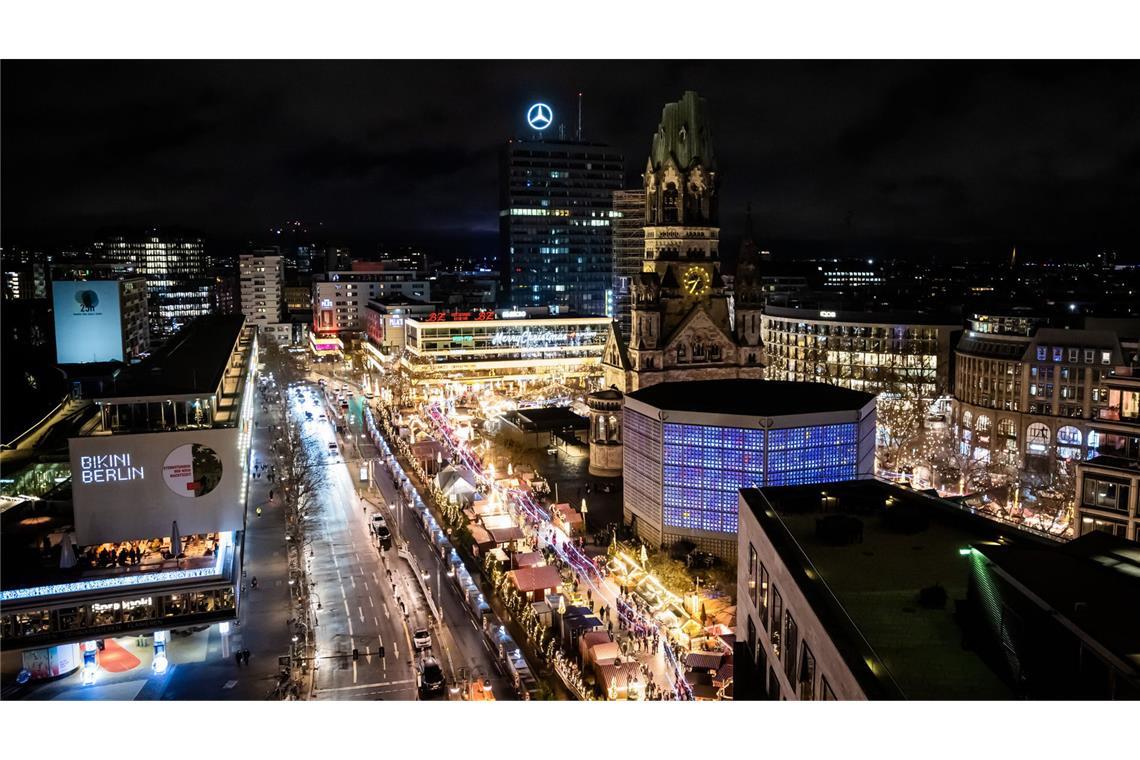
point(705, 466)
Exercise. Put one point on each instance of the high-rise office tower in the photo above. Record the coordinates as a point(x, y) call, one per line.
point(629, 249)
point(556, 206)
point(262, 277)
point(179, 286)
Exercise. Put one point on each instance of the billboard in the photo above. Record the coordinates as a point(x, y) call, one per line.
point(136, 486)
point(88, 322)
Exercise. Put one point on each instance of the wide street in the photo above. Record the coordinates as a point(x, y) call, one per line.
point(371, 598)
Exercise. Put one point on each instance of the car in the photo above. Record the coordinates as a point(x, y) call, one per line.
point(384, 534)
point(421, 639)
point(369, 395)
point(324, 417)
point(349, 393)
point(332, 448)
point(376, 521)
point(429, 677)
point(308, 415)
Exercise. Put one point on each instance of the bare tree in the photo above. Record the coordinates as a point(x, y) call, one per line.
point(304, 469)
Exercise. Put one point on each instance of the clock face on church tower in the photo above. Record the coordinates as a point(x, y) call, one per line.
point(695, 281)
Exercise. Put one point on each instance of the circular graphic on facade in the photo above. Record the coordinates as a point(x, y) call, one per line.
point(88, 300)
point(192, 470)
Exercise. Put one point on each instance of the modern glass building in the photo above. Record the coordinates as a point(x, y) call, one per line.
point(178, 276)
point(690, 447)
point(508, 345)
point(555, 212)
point(629, 250)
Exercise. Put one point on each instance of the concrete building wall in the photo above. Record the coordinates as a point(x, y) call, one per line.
point(759, 562)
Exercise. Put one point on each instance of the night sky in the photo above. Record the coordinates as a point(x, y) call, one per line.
point(900, 154)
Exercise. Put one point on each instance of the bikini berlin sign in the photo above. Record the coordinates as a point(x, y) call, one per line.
point(133, 486)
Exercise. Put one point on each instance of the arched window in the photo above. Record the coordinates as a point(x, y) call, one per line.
point(1069, 442)
point(968, 419)
point(1007, 428)
point(614, 429)
point(682, 355)
point(1069, 436)
point(670, 197)
point(1037, 438)
point(984, 423)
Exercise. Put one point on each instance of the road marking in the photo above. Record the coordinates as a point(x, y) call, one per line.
point(370, 602)
point(381, 684)
point(375, 621)
point(347, 612)
point(387, 615)
point(361, 611)
point(350, 633)
point(230, 684)
point(353, 580)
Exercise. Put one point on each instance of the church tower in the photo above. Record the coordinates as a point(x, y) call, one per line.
point(680, 322)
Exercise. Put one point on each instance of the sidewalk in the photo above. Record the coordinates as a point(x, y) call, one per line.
point(263, 613)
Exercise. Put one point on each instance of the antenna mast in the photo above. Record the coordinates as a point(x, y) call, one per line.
point(579, 117)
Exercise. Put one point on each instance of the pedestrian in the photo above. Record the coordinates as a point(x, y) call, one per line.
point(237, 658)
point(253, 582)
point(245, 657)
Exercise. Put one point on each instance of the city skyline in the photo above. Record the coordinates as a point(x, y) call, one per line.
point(839, 157)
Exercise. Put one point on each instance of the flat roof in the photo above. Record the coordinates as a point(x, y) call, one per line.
point(866, 592)
point(546, 418)
point(193, 362)
point(1093, 582)
point(809, 309)
point(760, 398)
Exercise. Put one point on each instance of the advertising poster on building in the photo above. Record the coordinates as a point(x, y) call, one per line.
point(51, 662)
point(136, 486)
point(88, 324)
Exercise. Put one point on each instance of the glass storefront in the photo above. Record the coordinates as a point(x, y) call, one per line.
point(111, 616)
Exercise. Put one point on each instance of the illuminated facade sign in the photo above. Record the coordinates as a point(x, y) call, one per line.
point(540, 338)
point(460, 316)
point(108, 468)
point(539, 116)
point(131, 604)
point(827, 315)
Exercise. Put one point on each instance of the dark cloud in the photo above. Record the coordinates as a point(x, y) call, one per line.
point(974, 152)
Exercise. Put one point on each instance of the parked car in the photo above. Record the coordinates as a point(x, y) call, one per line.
point(429, 677)
point(421, 639)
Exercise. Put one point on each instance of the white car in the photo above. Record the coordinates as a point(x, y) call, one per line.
point(421, 639)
